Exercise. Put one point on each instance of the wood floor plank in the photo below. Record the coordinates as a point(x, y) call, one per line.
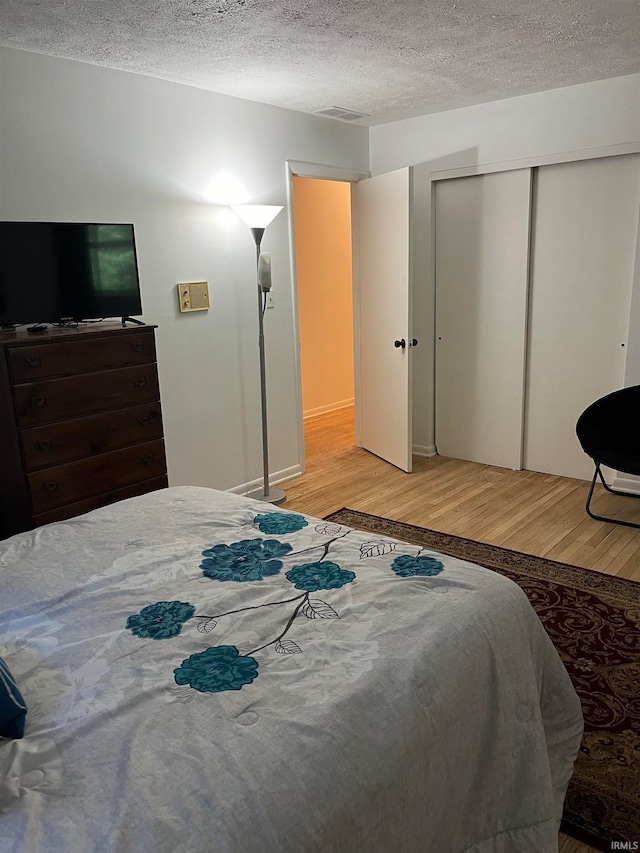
point(570, 845)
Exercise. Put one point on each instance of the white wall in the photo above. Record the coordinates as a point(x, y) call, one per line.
point(591, 115)
point(84, 143)
point(577, 118)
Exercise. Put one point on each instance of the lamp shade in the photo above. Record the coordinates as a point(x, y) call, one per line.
point(257, 215)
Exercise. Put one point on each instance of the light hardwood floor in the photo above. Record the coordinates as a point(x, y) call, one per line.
point(526, 511)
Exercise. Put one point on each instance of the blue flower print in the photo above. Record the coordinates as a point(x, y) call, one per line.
point(217, 669)
point(280, 522)
point(248, 560)
point(407, 566)
point(314, 576)
point(162, 620)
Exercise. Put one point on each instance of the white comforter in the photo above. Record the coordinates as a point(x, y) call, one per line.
point(313, 689)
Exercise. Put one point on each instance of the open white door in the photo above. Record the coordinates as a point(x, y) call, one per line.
point(384, 296)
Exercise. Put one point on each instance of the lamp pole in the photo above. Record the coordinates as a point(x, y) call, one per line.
point(257, 217)
point(274, 496)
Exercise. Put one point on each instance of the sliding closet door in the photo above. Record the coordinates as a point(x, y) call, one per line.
point(583, 246)
point(482, 252)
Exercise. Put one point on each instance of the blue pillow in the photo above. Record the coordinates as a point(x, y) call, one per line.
point(12, 707)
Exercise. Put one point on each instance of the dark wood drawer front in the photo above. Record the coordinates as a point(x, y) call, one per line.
point(55, 400)
point(76, 481)
point(71, 510)
point(80, 421)
point(84, 437)
point(72, 357)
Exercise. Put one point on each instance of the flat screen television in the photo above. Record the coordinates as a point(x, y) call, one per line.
point(58, 272)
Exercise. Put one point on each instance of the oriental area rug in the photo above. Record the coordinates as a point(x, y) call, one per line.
point(593, 621)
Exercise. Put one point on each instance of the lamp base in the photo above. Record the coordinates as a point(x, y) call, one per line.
point(274, 496)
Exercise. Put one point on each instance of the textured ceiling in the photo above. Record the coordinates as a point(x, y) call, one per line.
point(389, 59)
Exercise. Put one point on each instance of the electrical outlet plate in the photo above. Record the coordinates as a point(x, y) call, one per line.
point(193, 296)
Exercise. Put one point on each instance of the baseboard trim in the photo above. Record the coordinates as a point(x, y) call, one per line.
point(330, 407)
point(627, 484)
point(274, 479)
point(420, 450)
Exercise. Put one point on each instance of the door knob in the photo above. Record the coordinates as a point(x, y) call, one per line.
point(401, 343)
point(413, 343)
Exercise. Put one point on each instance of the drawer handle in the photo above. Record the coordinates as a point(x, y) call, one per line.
point(44, 445)
point(33, 362)
point(148, 459)
point(50, 487)
point(137, 346)
point(146, 421)
point(140, 383)
point(38, 401)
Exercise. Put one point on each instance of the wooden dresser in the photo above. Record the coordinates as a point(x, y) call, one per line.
point(80, 422)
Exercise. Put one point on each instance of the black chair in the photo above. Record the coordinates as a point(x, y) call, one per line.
point(609, 432)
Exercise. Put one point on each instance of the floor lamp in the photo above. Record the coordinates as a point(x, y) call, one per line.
point(257, 217)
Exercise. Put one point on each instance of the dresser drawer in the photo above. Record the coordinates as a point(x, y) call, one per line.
point(55, 400)
point(69, 358)
point(76, 481)
point(84, 437)
point(71, 510)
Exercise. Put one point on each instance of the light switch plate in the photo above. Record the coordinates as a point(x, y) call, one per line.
point(193, 296)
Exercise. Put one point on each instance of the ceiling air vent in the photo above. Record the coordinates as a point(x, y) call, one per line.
point(341, 113)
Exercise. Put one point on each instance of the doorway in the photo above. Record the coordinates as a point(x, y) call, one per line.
point(322, 233)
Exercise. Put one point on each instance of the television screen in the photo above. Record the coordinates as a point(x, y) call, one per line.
point(53, 272)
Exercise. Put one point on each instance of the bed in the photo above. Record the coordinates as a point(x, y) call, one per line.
point(204, 672)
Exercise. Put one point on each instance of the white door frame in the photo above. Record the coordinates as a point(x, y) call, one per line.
point(538, 160)
point(301, 169)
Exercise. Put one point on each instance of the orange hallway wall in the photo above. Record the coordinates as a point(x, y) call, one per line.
point(322, 229)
